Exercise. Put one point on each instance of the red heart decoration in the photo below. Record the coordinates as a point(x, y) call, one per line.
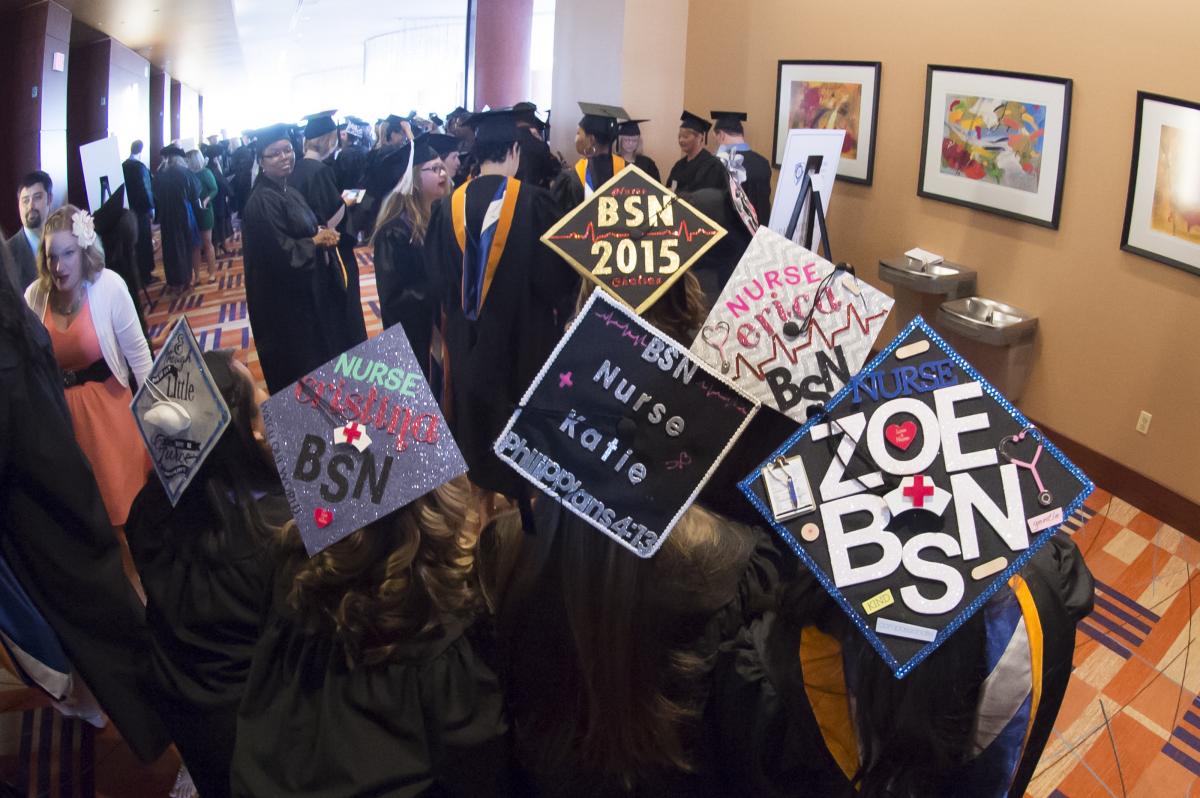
point(323, 517)
point(901, 435)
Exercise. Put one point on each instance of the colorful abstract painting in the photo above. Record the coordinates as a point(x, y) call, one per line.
point(1176, 207)
point(996, 141)
point(829, 106)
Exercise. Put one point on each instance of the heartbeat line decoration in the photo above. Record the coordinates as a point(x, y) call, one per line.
point(929, 491)
point(789, 329)
point(633, 237)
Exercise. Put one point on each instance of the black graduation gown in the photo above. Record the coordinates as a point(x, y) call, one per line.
point(703, 171)
point(55, 535)
point(492, 361)
point(241, 165)
point(430, 721)
point(647, 165)
point(118, 230)
point(757, 184)
point(767, 734)
point(206, 596)
point(716, 265)
point(141, 202)
point(175, 193)
point(405, 297)
point(291, 285)
point(317, 183)
point(221, 204)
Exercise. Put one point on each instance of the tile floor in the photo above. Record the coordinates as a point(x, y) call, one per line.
point(1129, 724)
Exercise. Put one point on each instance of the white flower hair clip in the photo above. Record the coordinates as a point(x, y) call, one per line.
point(84, 228)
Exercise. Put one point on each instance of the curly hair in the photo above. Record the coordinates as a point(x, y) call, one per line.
point(62, 220)
point(399, 579)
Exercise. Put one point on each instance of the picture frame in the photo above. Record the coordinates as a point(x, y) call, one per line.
point(996, 141)
point(1164, 183)
point(840, 95)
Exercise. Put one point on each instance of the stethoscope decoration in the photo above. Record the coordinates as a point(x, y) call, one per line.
point(1045, 497)
point(709, 335)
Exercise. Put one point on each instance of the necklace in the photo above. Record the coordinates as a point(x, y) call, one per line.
point(73, 309)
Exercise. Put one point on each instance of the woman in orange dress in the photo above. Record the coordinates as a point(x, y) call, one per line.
point(93, 325)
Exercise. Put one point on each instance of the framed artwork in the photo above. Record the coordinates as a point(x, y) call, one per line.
point(1162, 212)
point(831, 95)
point(996, 141)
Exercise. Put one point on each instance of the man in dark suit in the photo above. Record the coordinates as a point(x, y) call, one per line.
point(33, 199)
point(141, 201)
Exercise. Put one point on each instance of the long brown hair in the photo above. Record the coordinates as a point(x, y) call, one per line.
point(410, 208)
point(62, 220)
point(396, 580)
point(605, 674)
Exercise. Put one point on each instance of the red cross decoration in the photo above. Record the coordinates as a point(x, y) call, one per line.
point(919, 491)
point(352, 433)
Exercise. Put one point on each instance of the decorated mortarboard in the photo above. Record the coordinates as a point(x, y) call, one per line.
point(358, 438)
point(693, 122)
point(179, 411)
point(916, 494)
point(631, 127)
point(633, 237)
point(622, 426)
point(790, 328)
point(320, 123)
point(730, 121)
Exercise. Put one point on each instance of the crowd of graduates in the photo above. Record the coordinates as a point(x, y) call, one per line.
point(479, 640)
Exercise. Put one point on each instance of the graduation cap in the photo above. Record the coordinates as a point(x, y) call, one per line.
point(790, 328)
point(172, 150)
point(528, 115)
point(916, 494)
point(623, 427)
point(266, 136)
point(729, 121)
point(393, 123)
point(630, 127)
point(436, 120)
point(320, 124)
point(495, 127)
point(358, 438)
point(389, 172)
point(633, 237)
point(696, 123)
point(179, 411)
point(601, 120)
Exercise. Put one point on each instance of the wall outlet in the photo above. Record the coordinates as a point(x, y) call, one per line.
point(1143, 423)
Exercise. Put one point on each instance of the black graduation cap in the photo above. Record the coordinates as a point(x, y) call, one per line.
point(266, 136)
point(528, 114)
point(601, 120)
point(171, 150)
point(630, 127)
point(393, 122)
point(436, 120)
point(320, 123)
point(441, 143)
point(391, 167)
point(495, 127)
point(696, 123)
point(729, 121)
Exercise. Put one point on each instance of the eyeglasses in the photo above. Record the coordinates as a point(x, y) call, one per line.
point(440, 169)
point(278, 154)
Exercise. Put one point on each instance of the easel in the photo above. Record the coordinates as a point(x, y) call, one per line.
point(815, 218)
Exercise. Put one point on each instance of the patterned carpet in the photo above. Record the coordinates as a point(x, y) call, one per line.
point(1129, 725)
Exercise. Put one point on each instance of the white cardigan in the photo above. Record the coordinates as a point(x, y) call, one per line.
point(115, 320)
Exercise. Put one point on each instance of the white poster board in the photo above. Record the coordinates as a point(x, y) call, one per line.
point(801, 145)
point(101, 168)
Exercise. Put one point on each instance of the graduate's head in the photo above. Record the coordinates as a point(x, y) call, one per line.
point(276, 155)
point(497, 147)
point(393, 132)
point(410, 179)
point(597, 129)
point(619, 696)
point(629, 138)
point(195, 160)
point(397, 580)
point(728, 127)
point(693, 133)
point(70, 253)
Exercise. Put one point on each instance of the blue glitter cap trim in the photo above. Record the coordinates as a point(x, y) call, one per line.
point(902, 669)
